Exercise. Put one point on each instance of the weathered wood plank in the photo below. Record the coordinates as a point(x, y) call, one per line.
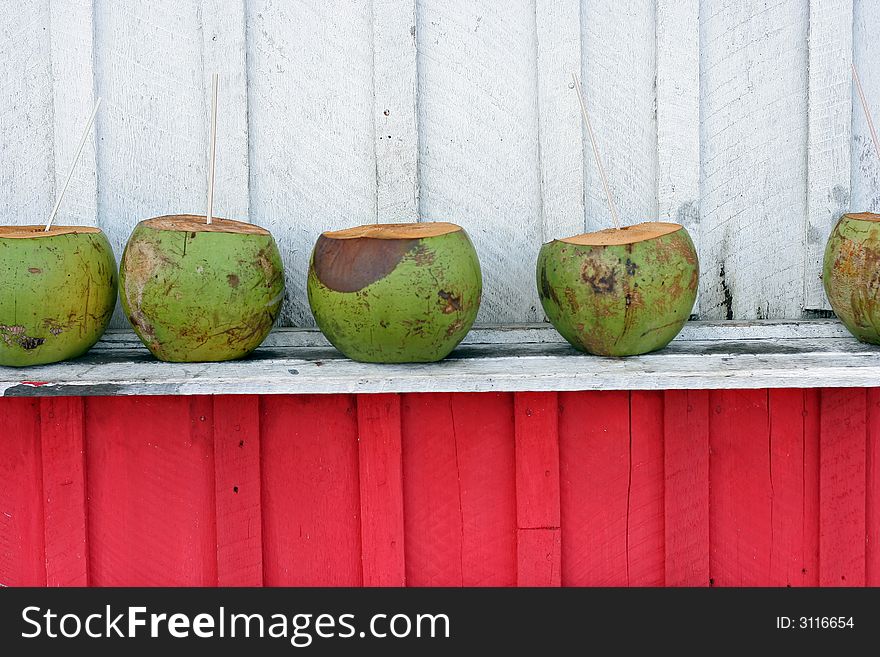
point(865, 164)
point(872, 497)
point(560, 129)
point(224, 51)
point(381, 490)
point(829, 135)
point(27, 173)
point(237, 490)
point(842, 491)
point(73, 97)
point(478, 150)
point(311, 137)
point(62, 439)
point(619, 69)
point(686, 491)
point(753, 145)
point(678, 115)
point(395, 110)
point(539, 554)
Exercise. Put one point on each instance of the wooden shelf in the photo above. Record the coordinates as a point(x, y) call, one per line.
point(762, 354)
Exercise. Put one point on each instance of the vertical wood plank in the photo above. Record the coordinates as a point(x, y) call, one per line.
point(594, 467)
point(381, 490)
point(864, 163)
point(558, 27)
point(619, 73)
point(73, 97)
point(741, 490)
point(64, 490)
point(237, 490)
point(537, 488)
point(311, 506)
point(872, 492)
point(842, 487)
point(310, 89)
point(678, 115)
point(224, 52)
point(27, 177)
point(793, 482)
point(686, 491)
point(459, 489)
point(645, 538)
point(22, 540)
point(753, 150)
point(151, 506)
point(478, 149)
point(829, 135)
point(395, 110)
point(812, 432)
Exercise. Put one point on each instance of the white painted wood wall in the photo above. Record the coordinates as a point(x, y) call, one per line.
point(734, 117)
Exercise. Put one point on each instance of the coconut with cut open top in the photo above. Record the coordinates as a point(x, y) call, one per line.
point(395, 293)
point(57, 292)
point(851, 274)
point(619, 292)
point(196, 292)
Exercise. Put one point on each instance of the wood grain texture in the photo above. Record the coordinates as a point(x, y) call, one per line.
point(619, 73)
point(459, 490)
point(686, 487)
point(151, 508)
point(224, 51)
point(560, 130)
point(872, 492)
point(27, 172)
point(381, 490)
point(865, 164)
point(62, 438)
point(678, 115)
point(794, 477)
point(539, 554)
point(311, 128)
point(237, 490)
point(753, 200)
point(829, 134)
point(395, 110)
point(842, 487)
point(73, 97)
point(646, 527)
point(478, 149)
point(311, 507)
point(740, 487)
point(22, 539)
point(594, 468)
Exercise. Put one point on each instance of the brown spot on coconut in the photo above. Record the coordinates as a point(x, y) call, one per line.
point(395, 292)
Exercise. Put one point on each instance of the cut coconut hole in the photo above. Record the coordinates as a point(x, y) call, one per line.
point(24, 232)
point(193, 223)
point(627, 235)
point(395, 231)
point(864, 216)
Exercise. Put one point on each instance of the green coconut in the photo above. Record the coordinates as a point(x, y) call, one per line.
point(198, 292)
point(851, 274)
point(395, 293)
point(619, 292)
point(57, 292)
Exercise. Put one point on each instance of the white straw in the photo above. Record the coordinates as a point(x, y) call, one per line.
point(213, 148)
point(580, 94)
point(79, 150)
point(865, 108)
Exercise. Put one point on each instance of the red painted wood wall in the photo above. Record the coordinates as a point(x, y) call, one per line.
point(723, 488)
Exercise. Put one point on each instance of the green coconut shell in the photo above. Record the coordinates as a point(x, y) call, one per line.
point(851, 274)
point(195, 292)
point(395, 293)
point(619, 292)
point(57, 292)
